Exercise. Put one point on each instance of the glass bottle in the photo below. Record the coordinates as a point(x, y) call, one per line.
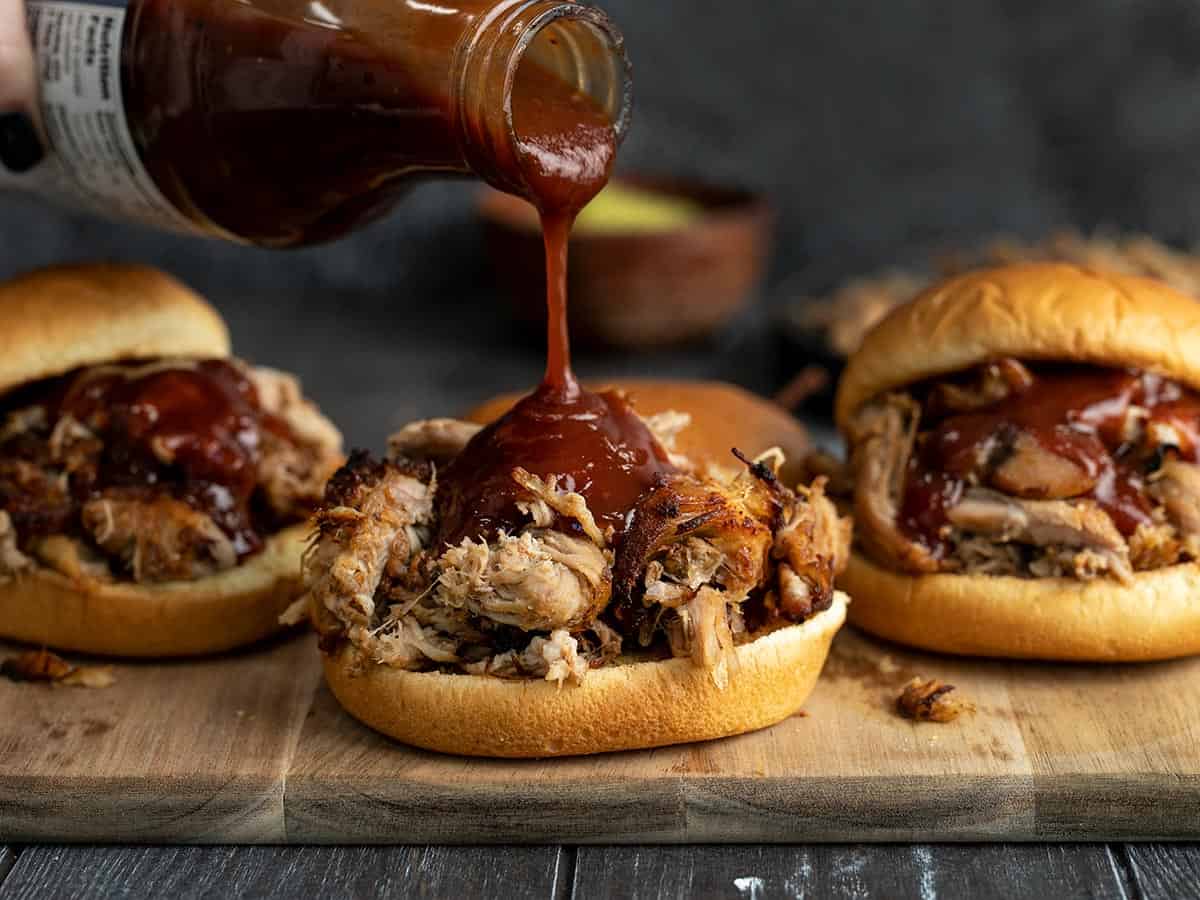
point(288, 122)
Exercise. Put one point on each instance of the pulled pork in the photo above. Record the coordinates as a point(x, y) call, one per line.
point(1057, 471)
point(931, 700)
point(159, 470)
point(162, 537)
point(702, 565)
point(882, 439)
point(12, 560)
point(1074, 538)
point(539, 581)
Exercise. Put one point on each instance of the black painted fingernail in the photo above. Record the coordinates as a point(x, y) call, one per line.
point(20, 149)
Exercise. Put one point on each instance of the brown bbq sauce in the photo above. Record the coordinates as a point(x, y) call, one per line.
point(221, 95)
point(190, 430)
point(1075, 412)
point(595, 443)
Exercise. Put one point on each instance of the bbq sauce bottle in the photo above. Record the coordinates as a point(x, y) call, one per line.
point(288, 122)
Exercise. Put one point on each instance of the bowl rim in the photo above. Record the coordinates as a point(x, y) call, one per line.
point(722, 205)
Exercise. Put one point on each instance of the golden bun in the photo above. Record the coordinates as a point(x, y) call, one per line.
point(1156, 617)
point(58, 319)
point(619, 707)
point(723, 416)
point(1047, 311)
point(188, 618)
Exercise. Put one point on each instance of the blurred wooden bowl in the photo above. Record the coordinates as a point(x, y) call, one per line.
point(639, 288)
point(724, 416)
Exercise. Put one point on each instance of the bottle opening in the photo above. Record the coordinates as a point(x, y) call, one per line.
point(587, 57)
point(568, 106)
point(543, 99)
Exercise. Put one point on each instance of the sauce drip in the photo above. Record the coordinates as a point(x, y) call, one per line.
point(566, 148)
point(595, 443)
point(1077, 413)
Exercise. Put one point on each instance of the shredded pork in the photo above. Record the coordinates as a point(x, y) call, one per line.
point(546, 501)
point(557, 597)
point(438, 440)
point(1076, 538)
point(882, 441)
point(1022, 509)
point(374, 518)
point(12, 560)
point(64, 508)
point(538, 581)
point(293, 472)
point(158, 540)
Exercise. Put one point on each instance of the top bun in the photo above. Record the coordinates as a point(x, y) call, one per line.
point(58, 319)
point(1046, 311)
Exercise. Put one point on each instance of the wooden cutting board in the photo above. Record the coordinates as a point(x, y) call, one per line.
point(252, 748)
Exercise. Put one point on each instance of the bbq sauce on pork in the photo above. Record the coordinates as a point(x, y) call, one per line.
point(191, 431)
point(1066, 432)
point(594, 443)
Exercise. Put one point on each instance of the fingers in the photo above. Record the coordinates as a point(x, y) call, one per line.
point(17, 80)
point(20, 147)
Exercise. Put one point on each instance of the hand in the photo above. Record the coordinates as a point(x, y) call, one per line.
point(20, 145)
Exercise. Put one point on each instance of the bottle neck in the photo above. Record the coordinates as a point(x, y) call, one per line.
point(569, 51)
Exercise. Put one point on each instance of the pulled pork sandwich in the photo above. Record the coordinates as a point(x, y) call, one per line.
point(153, 489)
point(1024, 448)
point(564, 581)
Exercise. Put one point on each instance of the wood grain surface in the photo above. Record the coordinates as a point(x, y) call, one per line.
point(919, 871)
point(222, 872)
point(252, 748)
point(8, 857)
point(1164, 870)
point(190, 751)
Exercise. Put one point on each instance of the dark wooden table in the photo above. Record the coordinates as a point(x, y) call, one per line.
point(374, 365)
point(1009, 871)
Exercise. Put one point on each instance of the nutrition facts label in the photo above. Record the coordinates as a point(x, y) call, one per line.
point(93, 162)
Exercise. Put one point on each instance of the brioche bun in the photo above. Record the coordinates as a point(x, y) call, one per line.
point(631, 704)
point(723, 417)
point(1155, 617)
point(1038, 311)
point(1042, 311)
point(187, 618)
point(618, 707)
point(58, 319)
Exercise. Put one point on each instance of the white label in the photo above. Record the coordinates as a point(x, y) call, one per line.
point(92, 162)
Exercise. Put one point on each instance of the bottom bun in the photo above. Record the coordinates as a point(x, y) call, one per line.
point(618, 707)
point(1155, 617)
point(183, 618)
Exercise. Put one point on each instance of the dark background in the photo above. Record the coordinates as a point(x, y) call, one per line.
point(880, 130)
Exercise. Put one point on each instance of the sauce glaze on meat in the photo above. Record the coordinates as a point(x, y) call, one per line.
point(193, 431)
point(594, 443)
point(1090, 417)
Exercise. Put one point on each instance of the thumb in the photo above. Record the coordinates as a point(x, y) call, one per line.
point(20, 145)
point(18, 84)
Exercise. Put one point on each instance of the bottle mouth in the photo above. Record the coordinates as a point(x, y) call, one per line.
point(582, 46)
point(572, 42)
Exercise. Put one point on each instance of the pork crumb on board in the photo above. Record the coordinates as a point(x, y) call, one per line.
point(931, 700)
point(42, 665)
